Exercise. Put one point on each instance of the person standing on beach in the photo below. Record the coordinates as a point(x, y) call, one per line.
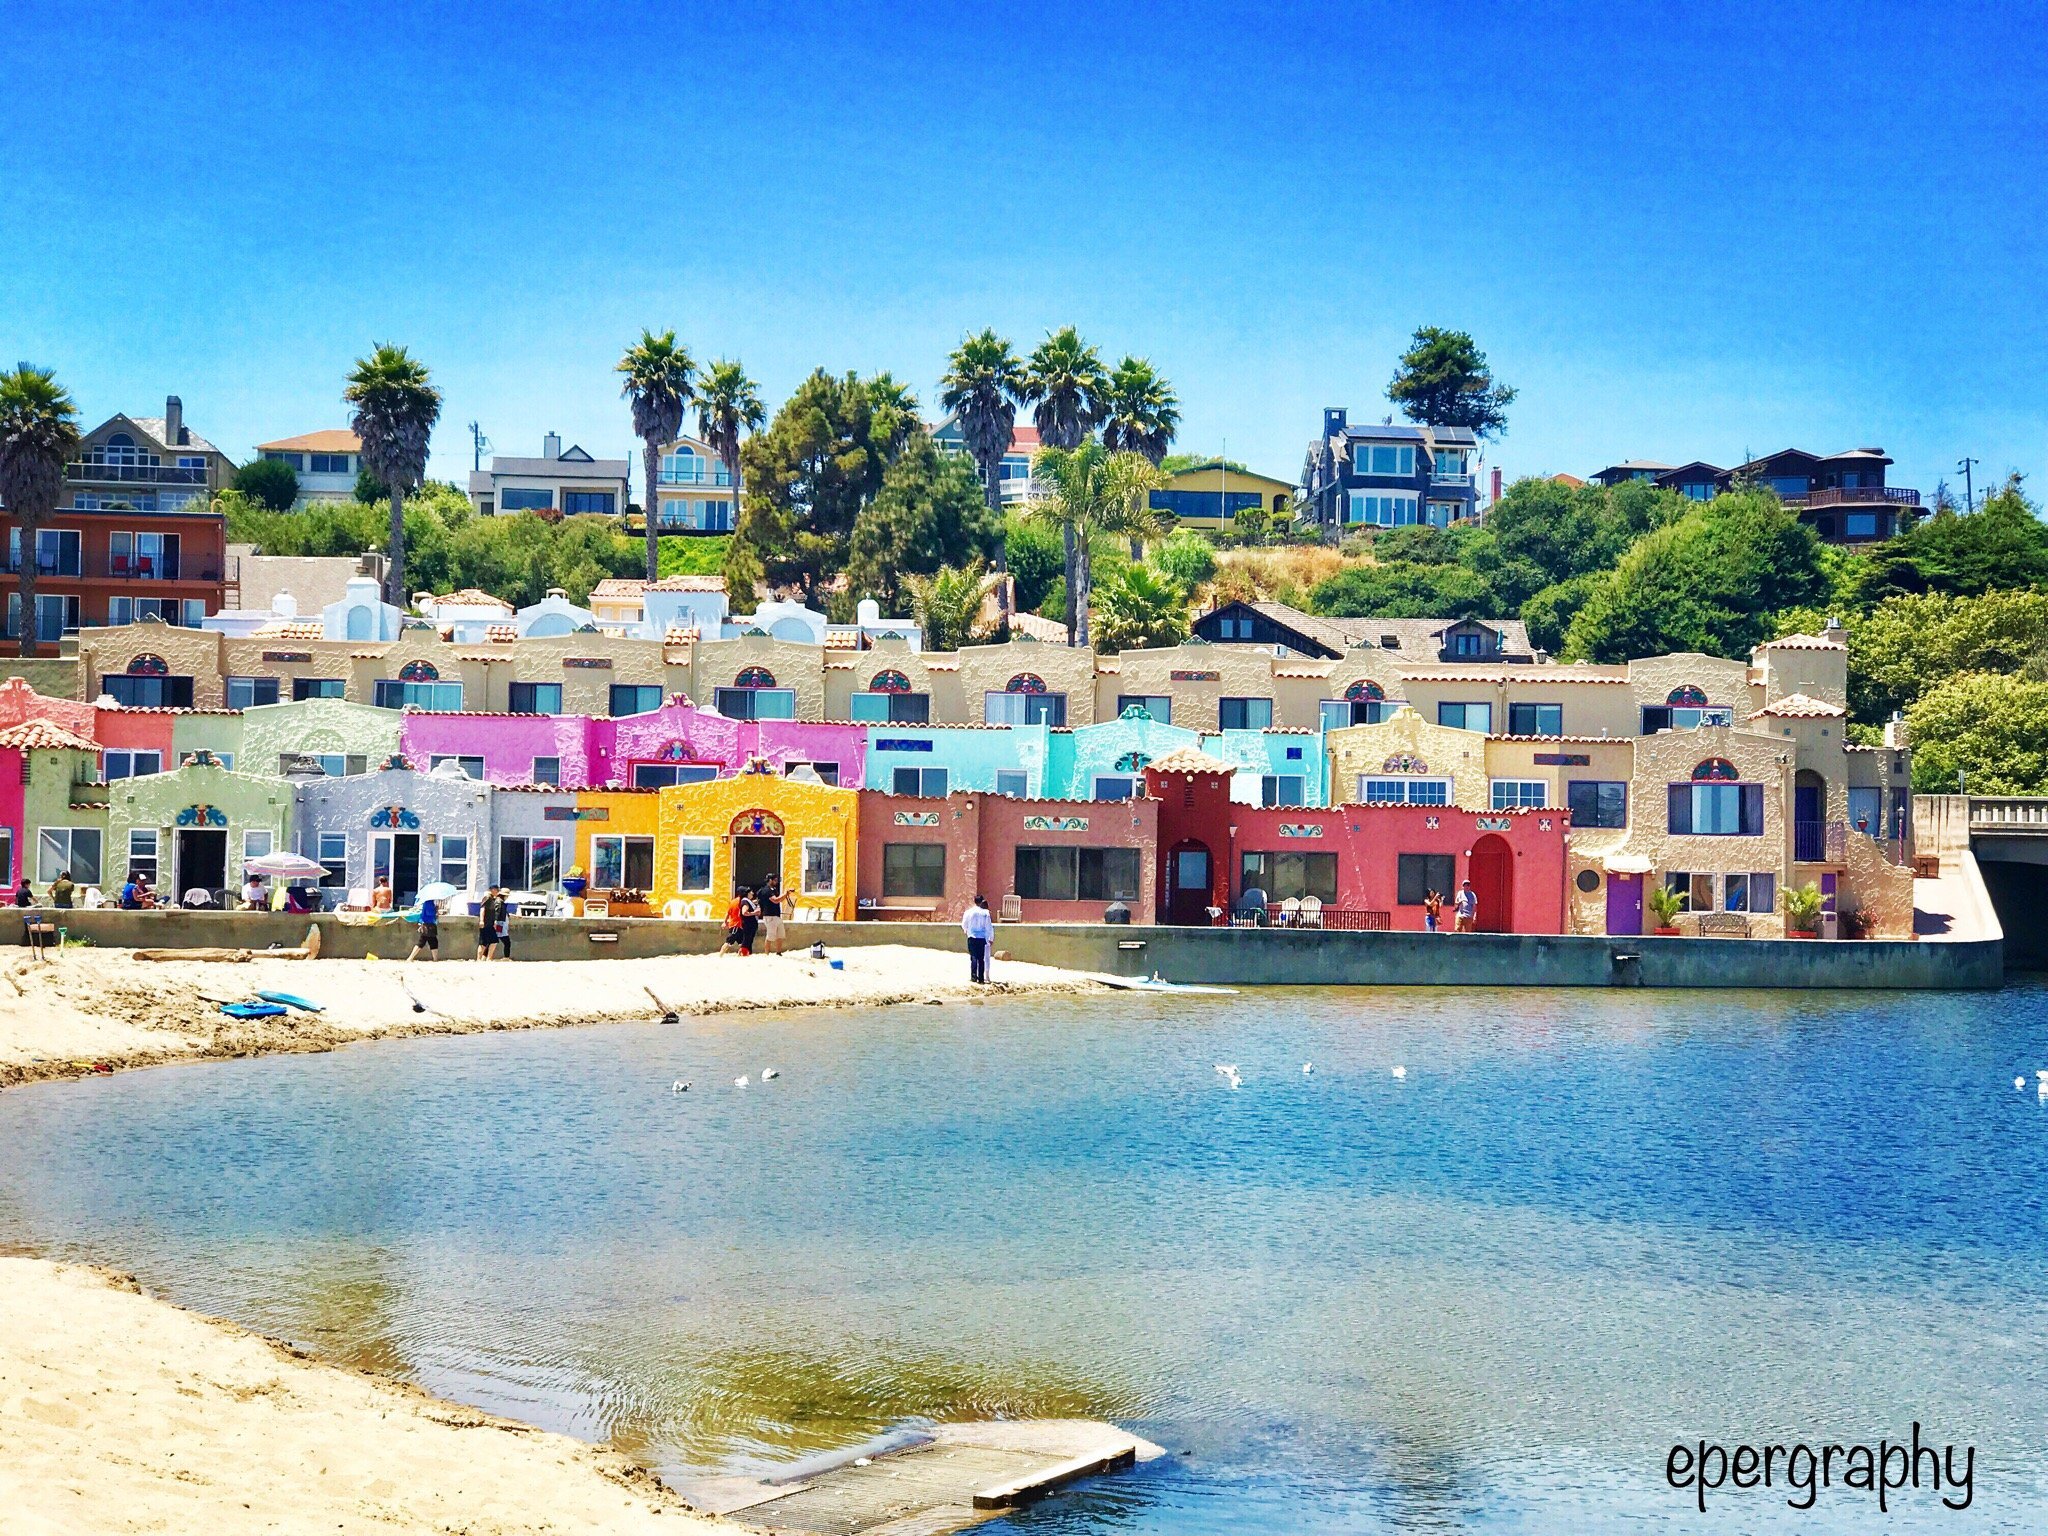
point(735, 927)
point(771, 919)
point(750, 921)
point(1468, 908)
point(489, 918)
point(429, 941)
point(980, 927)
point(61, 889)
point(1432, 911)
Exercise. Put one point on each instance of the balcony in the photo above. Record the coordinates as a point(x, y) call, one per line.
point(1820, 842)
point(1450, 479)
point(698, 474)
point(89, 473)
point(1857, 496)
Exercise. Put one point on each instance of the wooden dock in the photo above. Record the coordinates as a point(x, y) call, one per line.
point(946, 1480)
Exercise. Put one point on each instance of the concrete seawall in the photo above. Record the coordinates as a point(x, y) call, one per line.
point(1222, 956)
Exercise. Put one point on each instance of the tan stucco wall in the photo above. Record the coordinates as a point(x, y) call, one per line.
point(193, 653)
point(1880, 889)
point(986, 669)
point(1820, 672)
point(1364, 749)
point(1599, 704)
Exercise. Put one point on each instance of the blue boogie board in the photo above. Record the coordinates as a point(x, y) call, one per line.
point(253, 1010)
point(292, 1000)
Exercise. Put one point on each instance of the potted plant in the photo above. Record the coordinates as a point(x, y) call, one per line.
point(1802, 911)
point(1665, 906)
point(627, 901)
point(574, 884)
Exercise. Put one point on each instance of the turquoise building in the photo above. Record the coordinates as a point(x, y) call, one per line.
point(936, 760)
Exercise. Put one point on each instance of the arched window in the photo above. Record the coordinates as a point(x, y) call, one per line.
point(148, 665)
point(419, 672)
point(120, 440)
point(1026, 682)
point(754, 677)
point(1716, 768)
point(1365, 691)
point(1687, 696)
point(889, 682)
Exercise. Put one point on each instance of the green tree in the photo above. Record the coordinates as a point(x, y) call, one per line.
point(1187, 557)
point(1036, 559)
point(1140, 606)
point(1175, 463)
point(396, 406)
point(2003, 544)
point(948, 605)
point(1067, 389)
point(272, 482)
point(1548, 614)
point(1906, 646)
point(1140, 412)
point(929, 513)
point(1991, 726)
point(728, 408)
point(1710, 582)
point(38, 437)
point(983, 386)
point(1566, 531)
point(820, 461)
point(1086, 492)
point(1403, 590)
point(661, 383)
point(370, 490)
point(1443, 380)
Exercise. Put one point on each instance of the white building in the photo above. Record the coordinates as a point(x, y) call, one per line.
point(325, 462)
point(560, 483)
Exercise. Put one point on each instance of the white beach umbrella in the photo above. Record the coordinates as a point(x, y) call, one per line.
point(440, 890)
point(284, 865)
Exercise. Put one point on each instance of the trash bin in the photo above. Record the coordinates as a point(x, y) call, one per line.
point(1117, 912)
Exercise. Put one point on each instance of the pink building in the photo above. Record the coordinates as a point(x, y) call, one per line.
point(19, 704)
point(569, 750)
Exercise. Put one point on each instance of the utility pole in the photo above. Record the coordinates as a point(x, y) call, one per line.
point(1969, 495)
point(478, 443)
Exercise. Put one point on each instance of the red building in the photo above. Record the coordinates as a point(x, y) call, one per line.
point(1369, 865)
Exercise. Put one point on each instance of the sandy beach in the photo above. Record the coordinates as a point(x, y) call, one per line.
point(103, 1009)
point(119, 1412)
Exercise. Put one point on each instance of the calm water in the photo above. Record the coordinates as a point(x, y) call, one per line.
point(1490, 1295)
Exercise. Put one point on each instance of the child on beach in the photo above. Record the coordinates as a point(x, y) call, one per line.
point(735, 930)
point(1432, 911)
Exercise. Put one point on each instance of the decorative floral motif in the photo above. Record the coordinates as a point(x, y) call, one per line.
point(394, 816)
point(756, 824)
point(419, 672)
point(1026, 682)
point(888, 682)
point(1687, 696)
point(1716, 768)
point(1055, 823)
point(1365, 691)
point(677, 752)
point(1431, 823)
point(917, 818)
point(1301, 829)
point(754, 677)
point(202, 816)
point(1402, 762)
point(148, 664)
point(1132, 762)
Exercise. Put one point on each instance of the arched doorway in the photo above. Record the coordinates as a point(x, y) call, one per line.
point(1190, 884)
point(1809, 817)
point(1492, 873)
point(756, 850)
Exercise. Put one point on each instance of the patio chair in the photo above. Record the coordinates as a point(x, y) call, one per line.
point(1290, 912)
point(675, 909)
point(1311, 912)
point(93, 898)
point(597, 909)
point(1012, 909)
point(358, 899)
point(697, 911)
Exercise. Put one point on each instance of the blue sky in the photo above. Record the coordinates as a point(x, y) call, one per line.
point(1680, 230)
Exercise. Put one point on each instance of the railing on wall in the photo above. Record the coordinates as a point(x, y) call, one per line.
point(1820, 842)
point(2008, 813)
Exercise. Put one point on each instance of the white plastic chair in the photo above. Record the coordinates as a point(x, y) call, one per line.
point(697, 911)
point(1311, 912)
point(675, 909)
point(93, 898)
point(1290, 912)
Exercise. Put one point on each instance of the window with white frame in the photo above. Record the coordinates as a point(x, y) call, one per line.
point(142, 851)
point(76, 849)
point(126, 763)
point(529, 863)
point(927, 783)
point(1244, 714)
point(255, 844)
point(1157, 706)
point(472, 766)
point(1465, 717)
point(249, 692)
point(821, 866)
point(455, 861)
point(1013, 782)
point(1283, 789)
point(1024, 709)
point(1379, 509)
point(617, 861)
point(1520, 794)
point(661, 775)
point(1384, 459)
point(332, 853)
point(1377, 789)
point(693, 864)
point(1110, 786)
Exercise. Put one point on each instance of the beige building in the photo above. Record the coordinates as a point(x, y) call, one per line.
point(325, 462)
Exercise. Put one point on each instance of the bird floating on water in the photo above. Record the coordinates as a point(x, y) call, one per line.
point(768, 1072)
point(1308, 1069)
point(2019, 1082)
point(680, 1086)
point(1228, 1072)
point(739, 1082)
point(1400, 1071)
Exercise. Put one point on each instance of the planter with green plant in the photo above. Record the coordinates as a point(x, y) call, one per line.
point(1802, 911)
point(1665, 905)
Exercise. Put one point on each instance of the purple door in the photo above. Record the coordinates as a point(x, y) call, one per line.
point(1625, 904)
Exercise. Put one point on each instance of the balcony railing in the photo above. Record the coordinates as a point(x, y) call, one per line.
point(1820, 842)
point(2009, 812)
point(1451, 479)
point(697, 475)
point(1857, 496)
point(92, 473)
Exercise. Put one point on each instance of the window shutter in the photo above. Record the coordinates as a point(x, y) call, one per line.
point(1752, 810)
point(1679, 818)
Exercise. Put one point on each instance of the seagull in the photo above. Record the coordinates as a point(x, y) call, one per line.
point(739, 1082)
point(1228, 1072)
point(679, 1086)
point(768, 1072)
point(2019, 1082)
point(1308, 1069)
point(1400, 1071)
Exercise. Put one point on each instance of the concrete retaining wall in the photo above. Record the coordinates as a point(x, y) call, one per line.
point(1222, 956)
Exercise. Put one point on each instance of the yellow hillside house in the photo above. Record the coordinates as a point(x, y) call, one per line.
point(724, 834)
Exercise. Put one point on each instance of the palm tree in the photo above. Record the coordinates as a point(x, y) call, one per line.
point(1066, 388)
point(1087, 491)
point(983, 386)
point(947, 605)
point(1141, 606)
point(895, 414)
point(396, 407)
point(661, 383)
point(1141, 412)
point(728, 405)
point(38, 437)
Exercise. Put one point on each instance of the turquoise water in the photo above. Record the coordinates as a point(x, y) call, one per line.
point(1489, 1295)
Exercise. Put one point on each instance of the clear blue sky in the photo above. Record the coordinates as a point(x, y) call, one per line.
point(1681, 231)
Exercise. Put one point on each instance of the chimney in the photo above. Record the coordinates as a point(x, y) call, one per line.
point(551, 446)
point(174, 423)
point(1333, 420)
point(1496, 482)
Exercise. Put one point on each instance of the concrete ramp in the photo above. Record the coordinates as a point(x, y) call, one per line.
point(949, 1479)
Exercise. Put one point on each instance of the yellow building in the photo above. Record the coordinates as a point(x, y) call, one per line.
point(1209, 496)
point(616, 836)
point(725, 834)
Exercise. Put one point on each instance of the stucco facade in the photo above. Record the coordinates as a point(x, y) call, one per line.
point(48, 779)
point(417, 827)
point(278, 737)
point(756, 826)
point(1406, 746)
point(975, 758)
point(198, 823)
point(515, 749)
point(617, 816)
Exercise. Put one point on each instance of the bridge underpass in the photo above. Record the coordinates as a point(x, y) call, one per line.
point(2008, 834)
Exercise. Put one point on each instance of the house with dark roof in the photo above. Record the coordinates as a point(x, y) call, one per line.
point(1841, 496)
point(1627, 470)
point(1309, 634)
point(1389, 475)
point(560, 483)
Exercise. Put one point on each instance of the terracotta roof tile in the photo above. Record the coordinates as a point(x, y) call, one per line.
point(292, 629)
point(686, 584)
point(1798, 706)
point(40, 735)
point(1190, 760)
point(472, 597)
point(1803, 643)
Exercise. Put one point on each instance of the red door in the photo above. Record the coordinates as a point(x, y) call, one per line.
point(1190, 885)
point(1493, 882)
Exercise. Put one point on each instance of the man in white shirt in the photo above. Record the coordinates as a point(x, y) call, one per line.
point(980, 926)
point(253, 894)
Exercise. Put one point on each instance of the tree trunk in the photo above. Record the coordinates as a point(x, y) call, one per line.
point(1084, 568)
point(650, 455)
point(1072, 577)
point(394, 574)
point(992, 493)
point(29, 522)
point(732, 470)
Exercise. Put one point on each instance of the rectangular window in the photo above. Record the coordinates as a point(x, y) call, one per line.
point(142, 852)
point(1534, 719)
point(1384, 459)
point(1283, 789)
point(622, 861)
point(1405, 790)
point(1378, 510)
point(1284, 875)
point(892, 708)
point(693, 864)
point(1338, 713)
point(828, 773)
point(132, 765)
point(249, 692)
point(1112, 786)
point(1077, 874)
point(1014, 783)
point(529, 863)
point(1244, 714)
point(1716, 810)
point(332, 853)
point(926, 783)
point(913, 869)
point(255, 843)
point(1597, 802)
point(1860, 525)
point(522, 498)
point(1024, 709)
point(319, 688)
point(1681, 884)
point(439, 698)
point(148, 692)
point(584, 503)
point(1465, 717)
point(76, 849)
point(661, 775)
point(1417, 874)
point(1157, 706)
point(1519, 794)
point(755, 703)
point(57, 551)
point(1664, 717)
point(547, 770)
point(329, 464)
point(635, 698)
point(473, 766)
point(7, 857)
point(821, 866)
point(536, 699)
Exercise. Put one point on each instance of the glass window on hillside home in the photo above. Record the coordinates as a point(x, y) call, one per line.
point(1157, 706)
point(1381, 510)
point(142, 852)
point(1024, 709)
point(1597, 802)
point(1338, 713)
point(473, 766)
point(1860, 525)
point(547, 770)
point(892, 708)
point(926, 783)
point(126, 764)
point(1283, 789)
point(1465, 717)
point(617, 861)
point(661, 775)
point(332, 854)
point(1013, 782)
point(1244, 714)
point(820, 866)
point(1520, 794)
point(1417, 874)
point(1535, 719)
point(1716, 810)
point(584, 503)
point(319, 688)
point(250, 692)
point(693, 864)
point(438, 698)
point(1384, 459)
point(756, 703)
point(535, 699)
point(913, 869)
point(635, 698)
point(76, 849)
point(524, 498)
point(1405, 789)
point(1664, 717)
point(1281, 875)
